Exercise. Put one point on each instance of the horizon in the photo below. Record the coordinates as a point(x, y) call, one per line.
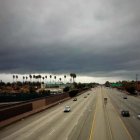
point(79, 78)
point(97, 39)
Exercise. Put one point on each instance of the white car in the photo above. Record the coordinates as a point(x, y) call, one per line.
point(67, 109)
point(138, 116)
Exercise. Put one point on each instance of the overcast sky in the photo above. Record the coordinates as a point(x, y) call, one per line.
point(96, 38)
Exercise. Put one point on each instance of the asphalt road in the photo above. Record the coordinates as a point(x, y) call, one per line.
point(90, 119)
point(52, 124)
point(132, 104)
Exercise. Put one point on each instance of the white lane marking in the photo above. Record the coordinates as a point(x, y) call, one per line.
point(52, 131)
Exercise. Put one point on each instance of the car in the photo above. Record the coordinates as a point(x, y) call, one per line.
point(124, 97)
point(138, 116)
point(67, 109)
point(125, 113)
point(88, 94)
point(105, 101)
point(85, 96)
point(75, 99)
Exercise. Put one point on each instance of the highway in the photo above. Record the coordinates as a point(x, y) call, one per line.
point(90, 119)
point(132, 104)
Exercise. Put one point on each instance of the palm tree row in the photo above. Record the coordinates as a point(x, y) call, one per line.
point(15, 77)
point(41, 78)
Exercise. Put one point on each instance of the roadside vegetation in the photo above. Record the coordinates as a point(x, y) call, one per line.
point(132, 87)
point(37, 86)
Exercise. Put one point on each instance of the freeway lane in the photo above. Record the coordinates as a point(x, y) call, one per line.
point(133, 105)
point(89, 119)
point(51, 124)
point(107, 124)
point(83, 128)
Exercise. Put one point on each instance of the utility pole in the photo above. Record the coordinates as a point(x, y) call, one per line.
point(137, 83)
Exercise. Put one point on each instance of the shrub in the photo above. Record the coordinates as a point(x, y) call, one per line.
point(131, 90)
point(66, 89)
point(73, 92)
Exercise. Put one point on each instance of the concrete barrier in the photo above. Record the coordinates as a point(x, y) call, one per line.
point(14, 113)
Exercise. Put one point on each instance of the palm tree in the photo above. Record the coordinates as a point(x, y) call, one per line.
point(60, 79)
point(39, 76)
point(34, 77)
point(16, 77)
point(23, 78)
point(30, 77)
point(73, 75)
point(50, 78)
point(46, 78)
point(26, 78)
point(43, 79)
point(13, 78)
point(55, 79)
point(65, 78)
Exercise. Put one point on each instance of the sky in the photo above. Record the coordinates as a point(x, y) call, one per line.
point(98, 40)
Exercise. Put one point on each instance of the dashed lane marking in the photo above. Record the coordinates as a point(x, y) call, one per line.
point(93, 123)
point(52, 131)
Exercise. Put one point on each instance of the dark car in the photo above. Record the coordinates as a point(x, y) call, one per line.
point(124, 97)
point(125, 113)
point(75, 99)
point(88, 94)
point(85, 96)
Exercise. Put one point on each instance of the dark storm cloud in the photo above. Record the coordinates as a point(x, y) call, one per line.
point(99, 38)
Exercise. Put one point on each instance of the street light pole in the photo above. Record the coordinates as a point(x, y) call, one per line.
point(137, 83)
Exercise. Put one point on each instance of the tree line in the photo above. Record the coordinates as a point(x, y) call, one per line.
point(43, 78)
